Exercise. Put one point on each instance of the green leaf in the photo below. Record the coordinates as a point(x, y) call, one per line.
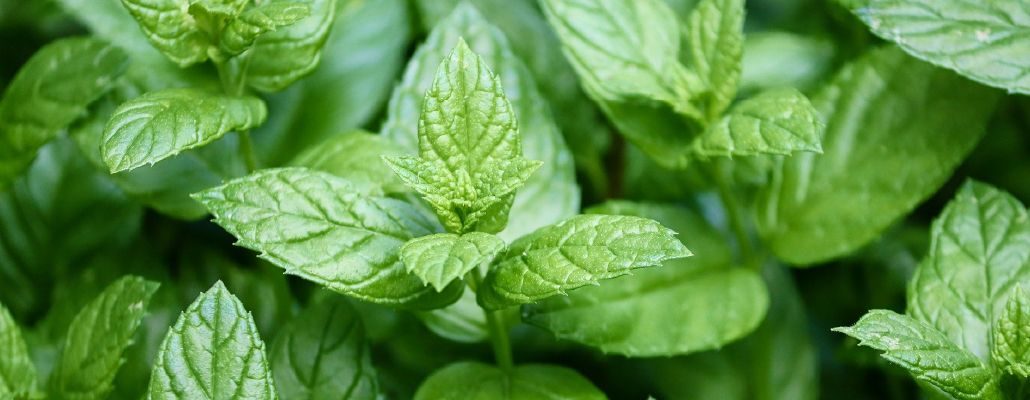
point(579, 251)
point(239, 34)
point(212, 352)
point(895, 130)
point(551, 193)
point(441, 258)
point(926, 353)
point(715, 41)
point(161, 124)
point(780, 121)
point(478, 381)
point(985, 41)
point(283, 56)
point(323, 354)
point(464, 321)
point(327, 230)
point(17, 373)
point(1011, 331)
point(170, 28)
point(357, 157)
point(684, 306)
point(49, 92)
point(979, 252)
point(97, 337)
point(774, 59)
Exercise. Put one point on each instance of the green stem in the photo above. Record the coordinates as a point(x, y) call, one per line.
point(247, 149)
point(231, 74)
point(733, 212)
point(496, 326)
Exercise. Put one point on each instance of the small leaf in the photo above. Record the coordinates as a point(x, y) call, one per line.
point(715, 41)
point(212, 352)
point(49, 92)
point(579, 251)
point(168, 26)
point(323, 354)
point(17, 373)
point(441, 258)
point(285, 55)
point(774, 122)
point(478, 381)
point(97, 339)
point(161, 124)
point(1012, 335)
point(926, 353)
point(327, 230)
point(241, 31)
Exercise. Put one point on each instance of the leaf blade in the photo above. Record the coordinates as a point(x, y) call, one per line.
point(774, 122)
point(478, 381)
point(441, 258)
point(281, 57)
point(17, 373)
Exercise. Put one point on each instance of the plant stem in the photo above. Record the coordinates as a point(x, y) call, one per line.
point(496, 326)
point(733, 212)
point(247, 148)
point(231, 74)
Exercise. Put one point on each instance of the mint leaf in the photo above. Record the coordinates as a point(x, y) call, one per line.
point(158, 125)
point(478, 381)
point(926, 353)
point(49, 92)
point(212, 352)
point(441, 258)
point(1011, 334)
point(170, 28)
point(327, 230)
point(985, 41)
point(978, 254)
point(283, 56)
point(17, 373)
point(579, 251)
point(895, 129)
point(97, 338)
point(554, 183)
point(715, 41)
point(780, 121)
point(470, 154)
point(323, 354)
point(239, 34)
point(357, 157)
point(464, 321)
point(684, 306)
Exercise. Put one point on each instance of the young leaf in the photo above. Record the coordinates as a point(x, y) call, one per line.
point(979, 251)
point(470, 155)
point(326, 230)
point(715, 41)
point(1011, 331)
point(478, 381)
point(50, 91)
point(17, 373)
point(97, 337)
point(323, 354)
point(441, 258)
point(283, 56)
point(984, 40)
point(573, 253)
point(212, 352)
point(240, 32)
point(161, 124)
point(774, 122)
point(171, 29)
point(926, 353)
point(895, 129)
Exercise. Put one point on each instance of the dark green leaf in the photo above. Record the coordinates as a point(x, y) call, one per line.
point(477, 381)
point(17, 374)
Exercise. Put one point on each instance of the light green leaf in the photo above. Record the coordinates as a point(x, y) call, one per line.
point(684, 306)
point(161, 124)
point(239, 34)
point(715, 41)
point(780, 121)
point(212, 352)
point(357, 157)
point(168, 26)
point(926, 353)
point(979, 252)
point(895, 129)
point(551, 193)
point(49, 92)
point(464, 321)
point(1011, 344)
point(441, 258)
point(327, 230)
point(323, 354)
point(478, 381)
point(281, 57)
point(579, 251)
point(97, 337)
point(775, 59)
point(17, 373)
point(985, 41)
